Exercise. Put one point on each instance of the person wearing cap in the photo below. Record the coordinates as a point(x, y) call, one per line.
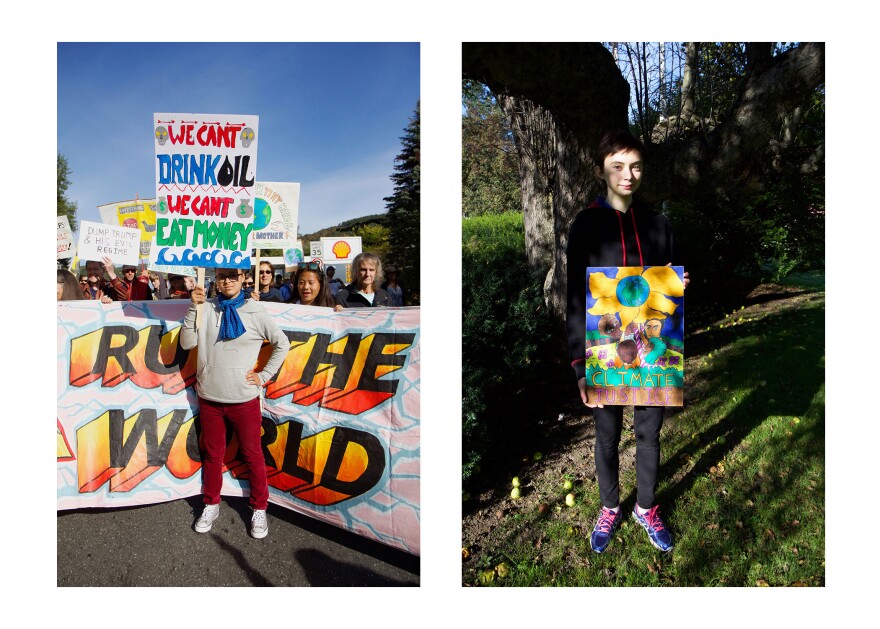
point(229, 336)
point(392, 287)
point(129, 287)
point(333, 282)
point(177, 287)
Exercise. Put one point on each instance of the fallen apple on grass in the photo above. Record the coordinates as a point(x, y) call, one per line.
point(569, 500)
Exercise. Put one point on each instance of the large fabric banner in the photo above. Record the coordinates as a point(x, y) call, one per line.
point(635, 335)
point(206, 167)
point(341, 427)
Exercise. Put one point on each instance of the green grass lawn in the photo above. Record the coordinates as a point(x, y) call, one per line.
point(742, 478)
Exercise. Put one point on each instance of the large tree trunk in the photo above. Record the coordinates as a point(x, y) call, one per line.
point(574, 92)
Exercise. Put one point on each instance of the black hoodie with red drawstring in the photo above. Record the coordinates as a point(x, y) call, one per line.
point(602, 236)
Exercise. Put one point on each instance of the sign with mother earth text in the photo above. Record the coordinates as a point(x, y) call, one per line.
point(206, 168)
point(635, 335)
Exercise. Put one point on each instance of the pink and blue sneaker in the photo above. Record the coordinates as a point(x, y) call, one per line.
point(604, 530)
point(651, 521)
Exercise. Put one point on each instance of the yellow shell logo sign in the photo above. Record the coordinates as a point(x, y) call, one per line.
point(341, 249)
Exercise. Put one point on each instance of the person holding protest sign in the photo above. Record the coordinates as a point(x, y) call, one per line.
point(364, 291)
point(267, 290)
point(229, 337)
point(288, 289)
point(98, 288)
point(645, 239)
point(130, 287)
point(68, 287)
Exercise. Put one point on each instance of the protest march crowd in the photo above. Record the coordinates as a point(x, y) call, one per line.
point(309, 285)
point(230, 338)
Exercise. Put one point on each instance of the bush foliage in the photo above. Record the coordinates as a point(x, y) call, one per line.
point(508, 334)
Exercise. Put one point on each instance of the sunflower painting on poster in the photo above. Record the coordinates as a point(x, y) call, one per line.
point(635, 335)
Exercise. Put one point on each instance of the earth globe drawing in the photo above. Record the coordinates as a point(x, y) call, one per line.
point(262, 214)
point(293, 256)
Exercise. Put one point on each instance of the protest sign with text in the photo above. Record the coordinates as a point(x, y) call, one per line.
point(635, 335)
point(99, 240)
point(205, 174)
point(65, 238)
point(276, 215)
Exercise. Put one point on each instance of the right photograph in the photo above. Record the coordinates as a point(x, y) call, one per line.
point(643, 314)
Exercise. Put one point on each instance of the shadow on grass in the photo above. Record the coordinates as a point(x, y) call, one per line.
point(783, 375)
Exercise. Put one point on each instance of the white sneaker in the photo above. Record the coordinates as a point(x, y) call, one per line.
point(211, 513)
point(259, 524)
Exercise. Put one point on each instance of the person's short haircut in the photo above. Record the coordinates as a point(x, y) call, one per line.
point(615, 142)
point(368, 257)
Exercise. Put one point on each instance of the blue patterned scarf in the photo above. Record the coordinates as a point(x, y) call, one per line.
point(231, 326)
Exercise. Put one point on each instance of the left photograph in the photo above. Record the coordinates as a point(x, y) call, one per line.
point(238, 330)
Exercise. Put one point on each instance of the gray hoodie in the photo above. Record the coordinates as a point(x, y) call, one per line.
point(222, 365)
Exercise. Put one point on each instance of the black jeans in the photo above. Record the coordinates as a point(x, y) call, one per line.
point(647, 423)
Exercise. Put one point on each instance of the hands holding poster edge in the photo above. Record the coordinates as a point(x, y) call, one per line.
point(582, 382)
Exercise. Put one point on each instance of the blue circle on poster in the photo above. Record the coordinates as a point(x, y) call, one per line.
point(262, 214)
point(633, 291)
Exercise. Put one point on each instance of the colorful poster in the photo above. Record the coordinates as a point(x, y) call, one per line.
point(341, 419)
point(341, 250)
point(136, 213)
point(293, 256)
point(65, 238)
point(635, 335)
point(99, 240)
point(206, 168)
point(276, 215)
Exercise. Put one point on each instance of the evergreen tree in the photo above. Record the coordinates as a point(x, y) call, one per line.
point(65, 206)
point(403, 212)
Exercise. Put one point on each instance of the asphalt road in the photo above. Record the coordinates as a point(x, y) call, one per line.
point(155, 545)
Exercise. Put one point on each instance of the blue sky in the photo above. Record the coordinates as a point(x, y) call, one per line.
point(331, 115)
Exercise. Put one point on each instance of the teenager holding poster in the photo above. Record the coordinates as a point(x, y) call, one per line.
point(229, 335)
point(613, 232)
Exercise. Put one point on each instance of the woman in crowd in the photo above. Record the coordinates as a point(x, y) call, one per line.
point(68, 288)
point(364, 291)
point(266, 282)
point(393, 287)
point(311, 287)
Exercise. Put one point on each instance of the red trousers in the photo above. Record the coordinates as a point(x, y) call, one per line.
point(246, 420)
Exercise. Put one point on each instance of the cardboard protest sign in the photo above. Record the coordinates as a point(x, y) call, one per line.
point(205, 174)
point(65, 238)
point(341, 419)
point(137, 213)
point(97, 240)
point(276, 215)
point(293, 256)
point(635, 335)
point(341, 250)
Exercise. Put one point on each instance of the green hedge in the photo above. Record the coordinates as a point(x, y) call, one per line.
point(507, 330)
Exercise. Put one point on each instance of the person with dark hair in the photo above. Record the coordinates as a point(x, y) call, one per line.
point(393, 287)
point(311, 289)
point(333, 282)
point(68, 287)
point(288, 289)
point(98, 288)
point(177, 287)
point(130, 287)
point(229, 337)
point(617, 231)
point(267, 290)
point(364, 291)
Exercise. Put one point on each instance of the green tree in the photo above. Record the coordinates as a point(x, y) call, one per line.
point(489, 163)
point(374, 238)
point(404, 211)
point(66, 207)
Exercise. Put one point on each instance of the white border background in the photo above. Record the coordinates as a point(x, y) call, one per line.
point(28, 525)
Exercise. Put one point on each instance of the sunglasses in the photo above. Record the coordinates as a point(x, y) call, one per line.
point(248, 284)
point(265, 272)
point(311, 266)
